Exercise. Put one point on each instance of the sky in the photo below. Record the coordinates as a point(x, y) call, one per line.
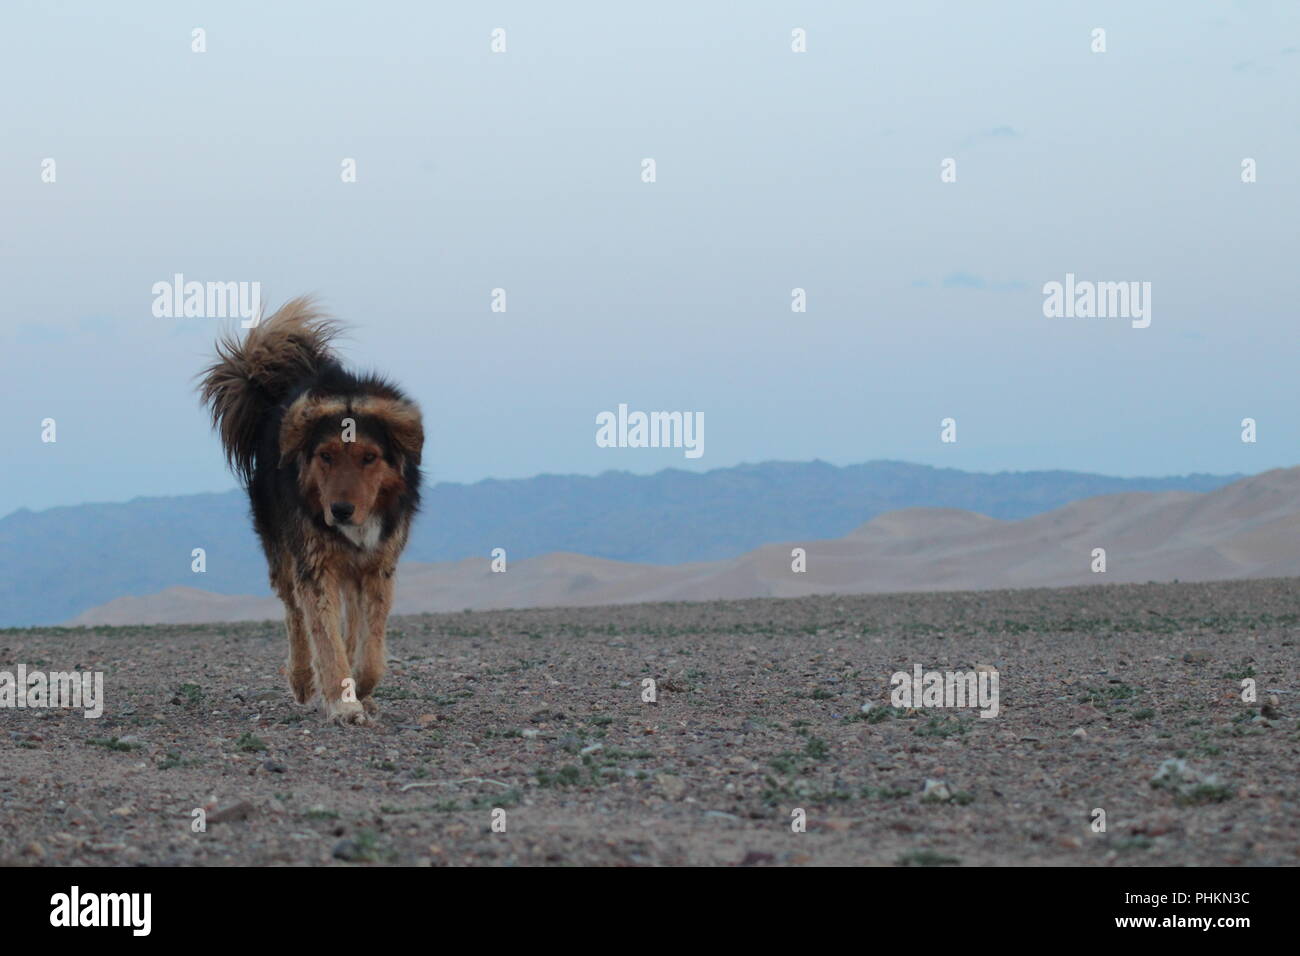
point(774, 170)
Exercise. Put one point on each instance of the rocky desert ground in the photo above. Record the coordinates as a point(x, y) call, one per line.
point(1126, 698)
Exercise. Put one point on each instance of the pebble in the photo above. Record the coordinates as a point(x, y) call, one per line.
point(238, 811)
point(348, 850)
point(671, 786)
point(937, 791)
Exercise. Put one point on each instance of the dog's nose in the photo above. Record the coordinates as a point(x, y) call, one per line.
point(342, 511)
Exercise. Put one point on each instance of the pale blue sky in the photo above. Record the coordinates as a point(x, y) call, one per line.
point(775, 170)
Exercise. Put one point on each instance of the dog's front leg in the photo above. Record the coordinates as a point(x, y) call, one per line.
point(301, 681)
point(354, 617)
point(378, 601)
point(319, 598)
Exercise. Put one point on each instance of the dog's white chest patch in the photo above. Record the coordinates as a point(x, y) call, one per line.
point(364, 536)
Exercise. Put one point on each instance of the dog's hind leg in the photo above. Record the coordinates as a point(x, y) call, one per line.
point(377, 591)
point(319, 597)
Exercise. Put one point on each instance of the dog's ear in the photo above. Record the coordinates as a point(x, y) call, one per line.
point(299, 420)
point(402, 419)
point(406, 429)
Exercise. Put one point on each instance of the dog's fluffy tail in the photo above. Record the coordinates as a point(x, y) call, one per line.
point(250, 377)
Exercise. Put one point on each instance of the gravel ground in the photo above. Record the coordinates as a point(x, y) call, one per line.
point(759, 712)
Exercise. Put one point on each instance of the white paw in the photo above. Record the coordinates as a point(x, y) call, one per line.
point(346, 713)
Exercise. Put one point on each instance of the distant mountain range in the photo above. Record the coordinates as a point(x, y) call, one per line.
point(58, 563)
point(1248, 529)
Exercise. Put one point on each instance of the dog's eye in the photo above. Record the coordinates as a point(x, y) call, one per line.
point(369, 458)
point(326, 457)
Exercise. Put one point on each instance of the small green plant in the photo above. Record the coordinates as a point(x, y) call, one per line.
point(510, 798)
point(1139, 842)
point(786, 763)
point(567, 776)
point(249, 743)
point(367, 848)
point(1101, 696)
point(885, 793)
point(926, 858)
point(944, 726)
point(816, 748)
point(174, 759)
point(1204, 793)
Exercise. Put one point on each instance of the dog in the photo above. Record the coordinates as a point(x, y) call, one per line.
point(331, 464)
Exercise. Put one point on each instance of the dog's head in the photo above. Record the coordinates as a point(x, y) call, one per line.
point(353, 455)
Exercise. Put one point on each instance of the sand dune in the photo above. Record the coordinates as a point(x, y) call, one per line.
point(1250, 528)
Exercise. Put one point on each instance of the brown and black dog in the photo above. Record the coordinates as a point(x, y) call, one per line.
point(331, 463)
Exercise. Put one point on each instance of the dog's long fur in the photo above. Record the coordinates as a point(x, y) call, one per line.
point(332, 505)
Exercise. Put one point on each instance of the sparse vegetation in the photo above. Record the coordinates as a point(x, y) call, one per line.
point(249, 743)
point(927, 858)
point(944, 726)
